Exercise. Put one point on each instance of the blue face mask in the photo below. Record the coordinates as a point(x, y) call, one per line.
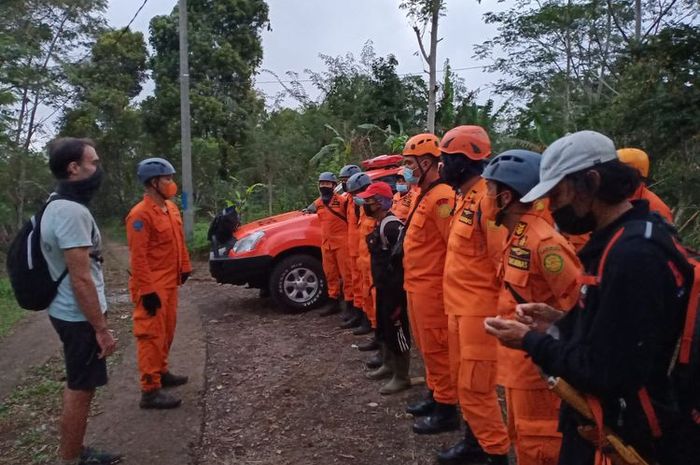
point(408, 175)
point(402, 188)
point(358, 201)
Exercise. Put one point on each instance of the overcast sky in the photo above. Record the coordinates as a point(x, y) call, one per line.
point(301, 29)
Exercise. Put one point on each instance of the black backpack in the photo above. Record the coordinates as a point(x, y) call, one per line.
point(27, 268)
point(222, 228)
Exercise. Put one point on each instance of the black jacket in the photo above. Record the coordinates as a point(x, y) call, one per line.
point(620, 341)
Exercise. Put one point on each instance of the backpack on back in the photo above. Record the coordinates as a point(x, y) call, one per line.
point(221, 230)
point(31, 281)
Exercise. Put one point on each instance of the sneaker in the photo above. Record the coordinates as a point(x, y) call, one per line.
point(158, 400)
point(90, 456)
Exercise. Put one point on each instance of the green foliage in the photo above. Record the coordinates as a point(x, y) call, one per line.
point(10, 312)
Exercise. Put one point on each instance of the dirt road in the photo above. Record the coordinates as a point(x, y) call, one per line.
point(265, 388)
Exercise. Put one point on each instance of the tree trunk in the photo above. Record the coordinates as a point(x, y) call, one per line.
point(269, 194)
point(567, 84)
point(432, 68)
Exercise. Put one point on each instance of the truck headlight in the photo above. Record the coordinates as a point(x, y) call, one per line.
point(248, 243)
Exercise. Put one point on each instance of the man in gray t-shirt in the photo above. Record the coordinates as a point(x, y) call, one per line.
point(70, 241)
point(67, 225)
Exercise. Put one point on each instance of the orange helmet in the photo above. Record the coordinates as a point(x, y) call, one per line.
point(635, 158)
point(471, 141)
point(422, 144)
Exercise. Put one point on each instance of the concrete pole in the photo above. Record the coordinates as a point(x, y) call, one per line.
point(185, 140)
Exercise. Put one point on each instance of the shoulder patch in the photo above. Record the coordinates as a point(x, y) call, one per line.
point(444, 209)
point(553, 262)
point(137, 225)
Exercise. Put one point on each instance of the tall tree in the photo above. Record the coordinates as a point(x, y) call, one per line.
point(224, 51)
point(104, 109)
point(424, 13)
point(38, 39)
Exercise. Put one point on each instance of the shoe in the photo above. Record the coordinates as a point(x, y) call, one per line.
point(443, 418)
point(400, 381)
point(90, 456)
point(355, 319)
point(423, 407)
point(364, 328)
point(158, 400)
point(168, 379)
point(332, 309)
point(467, 450)
point(375, 361)
point(370, 345)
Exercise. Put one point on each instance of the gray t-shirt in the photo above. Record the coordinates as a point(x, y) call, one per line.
point(67, 225)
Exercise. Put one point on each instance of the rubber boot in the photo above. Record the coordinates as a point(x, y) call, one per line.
point(467, 450)
point(354, 320)
point(375, 361)
point(444, 418)
point(332, 309)
point(387, 367)
point(364, 328)
point(347, 311)
point(369, 345)
point(423, 407)
point(400, 381)
point(158, 399)
point(170, 380)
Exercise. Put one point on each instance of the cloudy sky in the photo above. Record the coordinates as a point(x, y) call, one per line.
point(301, 29)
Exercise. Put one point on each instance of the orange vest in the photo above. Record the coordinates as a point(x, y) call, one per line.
point(470, 284)
point(334, 225)
point(655, 203)
point(538, 265)
point(157, 250)
point(425, 243)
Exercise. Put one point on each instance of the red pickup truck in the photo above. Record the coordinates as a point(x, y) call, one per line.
point(281, 255)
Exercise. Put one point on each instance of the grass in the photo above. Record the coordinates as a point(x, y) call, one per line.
point(29, 415)
point(10, 312)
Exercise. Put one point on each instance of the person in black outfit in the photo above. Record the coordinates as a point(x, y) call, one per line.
point(392, 332)
point(617, 345)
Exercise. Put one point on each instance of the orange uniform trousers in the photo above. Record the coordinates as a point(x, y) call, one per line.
point(154, 337)
point(474, 373)
point(431, 338)
point(335, 263)
point(533, 425)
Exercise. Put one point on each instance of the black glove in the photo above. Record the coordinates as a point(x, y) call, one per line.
point(151, 302)
point(184, 277)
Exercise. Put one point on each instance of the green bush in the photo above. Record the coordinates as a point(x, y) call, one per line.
point(10, 312)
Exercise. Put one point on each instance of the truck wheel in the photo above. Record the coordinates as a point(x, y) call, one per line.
point(297, 283)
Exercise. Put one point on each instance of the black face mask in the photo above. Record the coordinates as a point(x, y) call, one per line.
point(458, 169)
point(326, 194)
point(369, 211)
point(81, 191)
point(569, 223)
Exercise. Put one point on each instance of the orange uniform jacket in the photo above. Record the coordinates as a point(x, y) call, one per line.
point(425, 243)
point(655, 203)
point(539, 265)
point(334, 225)
point(367, 225)
point(470, 281)
point(401, 204)
point(157, 247)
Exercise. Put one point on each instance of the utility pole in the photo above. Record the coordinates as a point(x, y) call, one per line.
point(185, 141)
